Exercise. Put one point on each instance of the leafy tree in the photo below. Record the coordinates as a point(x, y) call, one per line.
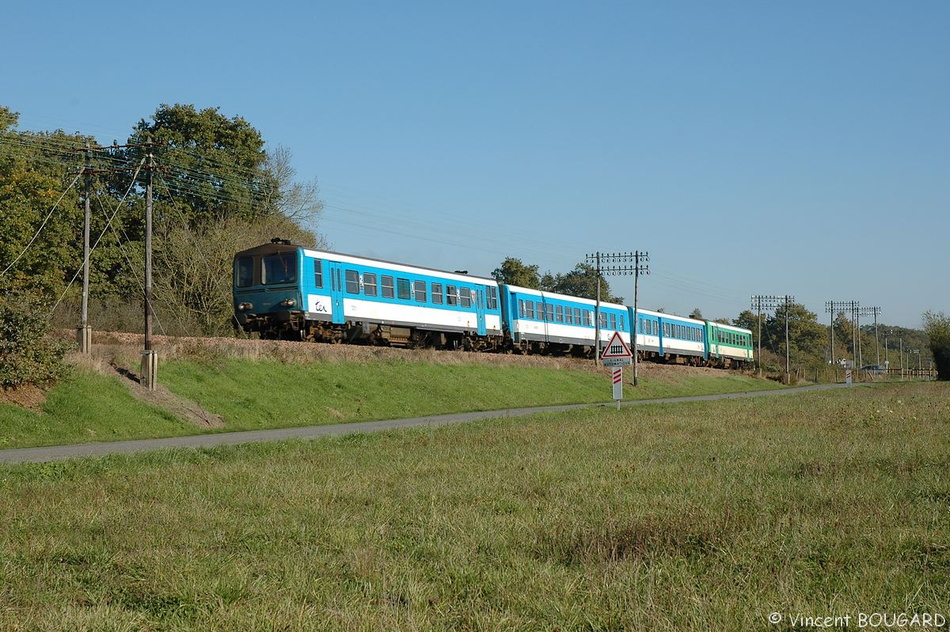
point(696, 313)
point(937, 327)
point(515, 272)
point(747, 319)
point(213, 167)
point(806, 336)
point(8, 119)
point(39, 210)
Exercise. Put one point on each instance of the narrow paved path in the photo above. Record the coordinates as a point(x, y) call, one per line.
point(84, 450)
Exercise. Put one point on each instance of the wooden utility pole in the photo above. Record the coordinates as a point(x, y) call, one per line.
point(770, 302)
point(84, 333)
point(834, 308)
point(874, 311)
point(149, 355)
point(596, 259)
point(621, 266)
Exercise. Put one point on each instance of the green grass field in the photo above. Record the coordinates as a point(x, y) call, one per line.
point(690, 516)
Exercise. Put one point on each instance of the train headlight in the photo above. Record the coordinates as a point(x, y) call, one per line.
point(288, 302)
point(243, 307)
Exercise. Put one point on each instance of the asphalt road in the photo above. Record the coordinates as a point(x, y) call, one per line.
point(87, 450)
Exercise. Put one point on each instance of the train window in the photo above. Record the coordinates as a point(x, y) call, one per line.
point(589, 318)
point(352, 281)
point(529, 305)
point(437, 293)
point(244, 272)
point(613, 322)
point(388, 287)
point(403, 289)
point(451, 295)
point(419, 289)
point(569, 315)
point(549, 313)
point(465, 294)
point(559, 313)
point(492, 297)
point(620, 322)
point(521, 308)
point(318, 273)
point(603, 320)
point(369, 284)
point(279, 268)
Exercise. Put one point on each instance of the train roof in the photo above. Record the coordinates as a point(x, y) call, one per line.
point(730, 327)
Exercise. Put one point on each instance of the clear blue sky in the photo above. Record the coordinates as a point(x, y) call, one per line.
point(753, 147)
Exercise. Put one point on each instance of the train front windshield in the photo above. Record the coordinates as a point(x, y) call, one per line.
point(279, 268)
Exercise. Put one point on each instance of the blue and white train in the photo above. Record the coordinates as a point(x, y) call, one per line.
point(285, 290)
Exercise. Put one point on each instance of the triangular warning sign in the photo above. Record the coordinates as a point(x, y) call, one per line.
point(616, 348)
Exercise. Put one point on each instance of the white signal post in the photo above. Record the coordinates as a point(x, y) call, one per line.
point(617, 355)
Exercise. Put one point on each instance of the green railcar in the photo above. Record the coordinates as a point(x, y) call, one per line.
point(728, 346)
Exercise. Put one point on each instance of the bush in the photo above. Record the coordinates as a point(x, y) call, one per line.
point(28, 355)
point(937, 326)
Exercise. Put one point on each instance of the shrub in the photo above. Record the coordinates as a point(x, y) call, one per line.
point(28, 355)
point(937, 326)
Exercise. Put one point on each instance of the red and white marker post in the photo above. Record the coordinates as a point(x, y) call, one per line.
point(617, 355)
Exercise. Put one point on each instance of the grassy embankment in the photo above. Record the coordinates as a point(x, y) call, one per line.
point(691, 516)
point(270, 386)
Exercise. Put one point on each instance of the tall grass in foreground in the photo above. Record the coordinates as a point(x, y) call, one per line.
point(662, 517)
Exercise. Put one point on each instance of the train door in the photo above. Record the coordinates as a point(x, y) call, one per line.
point(548, 318)
point(480, 311)
point(336, 291)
